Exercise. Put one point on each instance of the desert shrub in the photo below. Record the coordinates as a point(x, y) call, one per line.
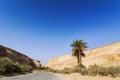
point(7, 66)
point(26, 68)
point(84, 71)
point(117, 69)
point(48, 69)
point(2, 67)
point(67, 71)
point(81, 66)
point(12, 68)
point(93, 70)
point(80, 69)
point(102, 71)
point(113, 71)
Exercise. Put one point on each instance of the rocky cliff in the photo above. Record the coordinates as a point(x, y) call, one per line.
point(105, 56)
point(18, 57)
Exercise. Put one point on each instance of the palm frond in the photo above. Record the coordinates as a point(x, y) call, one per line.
point(79, 45)
point(83, 54)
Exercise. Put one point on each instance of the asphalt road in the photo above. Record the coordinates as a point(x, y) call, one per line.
point(34, 76)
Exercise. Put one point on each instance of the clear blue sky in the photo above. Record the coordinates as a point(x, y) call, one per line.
point(43, 29)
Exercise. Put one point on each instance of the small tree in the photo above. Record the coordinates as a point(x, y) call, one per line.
point(78, 50)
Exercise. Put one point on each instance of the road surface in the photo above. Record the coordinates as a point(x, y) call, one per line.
point(34, 76)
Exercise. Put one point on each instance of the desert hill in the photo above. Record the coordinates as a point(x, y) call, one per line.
point(18, 57)
point(104, 56)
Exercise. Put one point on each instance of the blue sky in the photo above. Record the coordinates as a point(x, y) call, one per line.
point(43, 29)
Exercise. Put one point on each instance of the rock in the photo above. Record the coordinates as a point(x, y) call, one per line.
point(103, 56)
point(17, 57)
point(37, 63)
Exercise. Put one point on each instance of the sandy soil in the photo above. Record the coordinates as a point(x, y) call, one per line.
point(77, 76)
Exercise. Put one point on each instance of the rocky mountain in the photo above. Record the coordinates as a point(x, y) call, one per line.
point(104, 56)
point(18, 57)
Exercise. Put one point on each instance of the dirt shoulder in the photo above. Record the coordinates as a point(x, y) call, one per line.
point(77, 76)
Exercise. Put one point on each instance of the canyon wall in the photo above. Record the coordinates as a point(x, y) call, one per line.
point(104, 56)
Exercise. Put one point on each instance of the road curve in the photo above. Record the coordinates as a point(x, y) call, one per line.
point(34, 76)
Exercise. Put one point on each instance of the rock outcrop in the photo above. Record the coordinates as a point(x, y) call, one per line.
point(37, 63)
point(103, 56)
point(18, 57)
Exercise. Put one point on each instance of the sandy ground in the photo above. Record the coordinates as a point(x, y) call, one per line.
point(77, 76)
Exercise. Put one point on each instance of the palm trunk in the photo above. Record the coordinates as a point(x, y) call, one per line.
point(80, 58)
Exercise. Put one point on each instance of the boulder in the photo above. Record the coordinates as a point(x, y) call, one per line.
point(37, 63)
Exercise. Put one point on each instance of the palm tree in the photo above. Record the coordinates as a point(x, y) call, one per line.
point(78, 49)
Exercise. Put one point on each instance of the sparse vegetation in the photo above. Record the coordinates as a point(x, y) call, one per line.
point(66, 71)
point(46, 69)
point(92, 70)
point(7, 66)
point(26, 68)
point(80, 69)
point(95, 70)
point(49, 69)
